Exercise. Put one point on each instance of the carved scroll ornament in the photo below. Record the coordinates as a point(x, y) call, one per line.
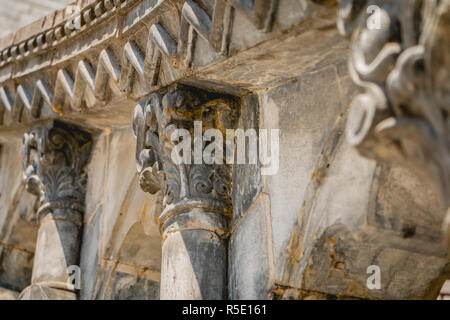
point(54, 163)
point(186, 186)
point(400, 58)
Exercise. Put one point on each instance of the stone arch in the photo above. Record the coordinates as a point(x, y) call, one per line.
point(136, 273)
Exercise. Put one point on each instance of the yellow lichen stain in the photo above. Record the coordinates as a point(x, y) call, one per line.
point(58, 109)
point(313, 174)
point(357, 289)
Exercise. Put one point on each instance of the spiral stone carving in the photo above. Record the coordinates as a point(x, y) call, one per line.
point(54, 163)
point(400, 58)
point(183, 186)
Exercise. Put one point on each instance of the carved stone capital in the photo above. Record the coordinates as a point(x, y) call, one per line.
point(54, 162)
point(192, 185)
point(400, 58)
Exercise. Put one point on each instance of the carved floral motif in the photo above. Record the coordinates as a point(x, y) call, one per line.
point(206, 186)
point(54, 163)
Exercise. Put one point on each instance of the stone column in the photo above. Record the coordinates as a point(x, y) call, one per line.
point(54, 160)
point(196, 195)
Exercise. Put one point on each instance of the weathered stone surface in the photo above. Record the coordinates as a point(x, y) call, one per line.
point(6, 294)
point(404, 274)
point(406, 203)
point(193, 267)
point(177, 48)
point(15, 268)
point(249, 251)
point(129, 287)
point(401, 64)
point(247, 177)
point(18, 228)
point(97, 169)
point(55, 156)
point(111, 235)
point(310, 231)
point(91, 254)
point(305, 110)
point(135, 267)
point(121, 173)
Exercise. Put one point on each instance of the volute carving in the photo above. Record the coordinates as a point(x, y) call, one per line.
point(186, 186)
point(54, 163)
point(400, 58)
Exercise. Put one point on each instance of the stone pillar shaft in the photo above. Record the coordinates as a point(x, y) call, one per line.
point(194, 256)
point(193, 266)
point(58, 247)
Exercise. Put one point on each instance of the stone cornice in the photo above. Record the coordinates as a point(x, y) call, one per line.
point(128, 49)
point(56, 28)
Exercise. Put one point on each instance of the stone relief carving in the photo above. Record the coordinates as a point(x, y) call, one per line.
point(92, 13)
point(184, 186)
point(54, 163)
point(55, 157)
point(400, 58)
point(132, 65)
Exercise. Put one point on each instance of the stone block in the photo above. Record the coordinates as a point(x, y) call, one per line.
point(305, 110)
point(132, 287)
point(247, 177)
point(90, 256)
point(248, 269)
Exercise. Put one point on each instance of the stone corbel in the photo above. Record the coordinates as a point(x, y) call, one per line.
point(54, 162)
point(196, 196)
point(400, 58)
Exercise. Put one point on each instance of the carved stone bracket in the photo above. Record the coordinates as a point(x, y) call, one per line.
point(55, 157)
point(400, 58)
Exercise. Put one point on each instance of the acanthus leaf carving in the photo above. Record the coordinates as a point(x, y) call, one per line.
point(54, 163)
point(187, 185)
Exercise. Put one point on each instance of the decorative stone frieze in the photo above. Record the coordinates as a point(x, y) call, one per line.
point(136, 64)
point(54, 161)
point(136, 47)
point(400, 58)
point(196, 196)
